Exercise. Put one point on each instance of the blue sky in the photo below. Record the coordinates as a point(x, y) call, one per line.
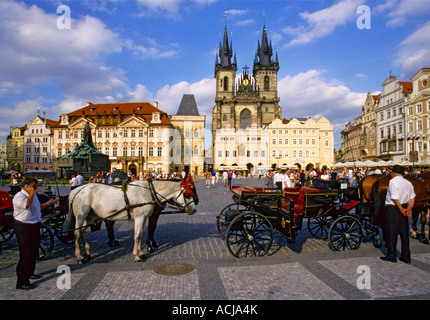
point(149, 50)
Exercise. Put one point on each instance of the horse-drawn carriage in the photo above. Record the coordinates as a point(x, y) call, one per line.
point(51, 225)
point(248, 224)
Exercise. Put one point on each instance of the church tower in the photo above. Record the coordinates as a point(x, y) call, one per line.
point(244, 102)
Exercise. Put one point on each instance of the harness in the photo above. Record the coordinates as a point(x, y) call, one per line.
point(154, 195)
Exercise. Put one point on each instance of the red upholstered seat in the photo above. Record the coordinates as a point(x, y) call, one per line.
point(297, 194)
point(5, 202)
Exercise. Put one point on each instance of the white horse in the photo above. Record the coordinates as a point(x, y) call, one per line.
point(92, 201)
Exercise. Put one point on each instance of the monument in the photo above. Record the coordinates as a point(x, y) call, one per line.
point(85, 159)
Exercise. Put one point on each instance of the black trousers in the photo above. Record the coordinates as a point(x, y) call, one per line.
point(28, 237)
point(397, 224)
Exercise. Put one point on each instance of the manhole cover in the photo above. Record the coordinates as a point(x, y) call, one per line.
point(174, 268)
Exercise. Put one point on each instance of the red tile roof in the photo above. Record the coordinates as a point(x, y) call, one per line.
point(141, 109)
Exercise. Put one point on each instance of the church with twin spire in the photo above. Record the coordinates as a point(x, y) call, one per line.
point(244, 105)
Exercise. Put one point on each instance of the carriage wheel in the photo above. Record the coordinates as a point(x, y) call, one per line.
point(250, 233)
point(345, 233)
point(223, 220)
point(319, 226)
point(46, 242)
point(6, 235)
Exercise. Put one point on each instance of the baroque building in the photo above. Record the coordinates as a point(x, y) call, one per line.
point(300, 141)
point(390, 119)
point(15, 149)
point(368, 125)
point(188, 144)
point(135, 136)
point(417, 113)
point(244, 105)
point(37, 144)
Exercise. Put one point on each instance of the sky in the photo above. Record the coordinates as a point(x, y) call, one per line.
point(57, 55)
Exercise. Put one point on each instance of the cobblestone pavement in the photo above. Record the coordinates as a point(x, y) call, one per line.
point(307, 269)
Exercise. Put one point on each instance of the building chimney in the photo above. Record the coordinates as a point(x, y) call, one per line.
point(156, 104)
point(88, 103)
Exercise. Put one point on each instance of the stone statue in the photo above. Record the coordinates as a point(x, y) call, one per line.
point(87, 135)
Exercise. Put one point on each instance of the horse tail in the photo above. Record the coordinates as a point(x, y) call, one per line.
point(69, 222)
point(379, 206)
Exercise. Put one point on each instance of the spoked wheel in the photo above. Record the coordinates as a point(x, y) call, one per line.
point(46, 242)
point(227, 215)
point(319, 226)
point(345, 233)
point(249, 234)
point(6, 235)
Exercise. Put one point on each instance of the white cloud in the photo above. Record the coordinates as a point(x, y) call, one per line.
point(170, 8)
point(36, 52)
point(414, 52)
point(308, 94)
point(398, 11)
point(321, 23)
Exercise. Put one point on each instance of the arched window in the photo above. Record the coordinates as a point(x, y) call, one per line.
point(266, 83)
point(225, 83)
point(245, 118)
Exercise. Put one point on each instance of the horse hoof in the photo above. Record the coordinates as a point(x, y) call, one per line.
point(113, 243)
point(424, 240)
point(87, 258)
point(378, 245)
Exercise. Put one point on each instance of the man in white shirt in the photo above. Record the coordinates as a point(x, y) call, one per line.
point(79, 179)
point(286, 182)
point(27, 213)
point(278, 179)
point(399, 201)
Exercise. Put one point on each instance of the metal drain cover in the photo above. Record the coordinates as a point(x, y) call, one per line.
point(174, 268)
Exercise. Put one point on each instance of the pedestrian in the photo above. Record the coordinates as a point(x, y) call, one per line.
point(268, 182)
point(230, 175)
point(213, 174)
point(27, 213)
point(277, 179)
point(208, 179)
point(79, 179)
point(233, 178)
point(286, 181)
point(225, 178)
point(73, 183)
point(399, 202)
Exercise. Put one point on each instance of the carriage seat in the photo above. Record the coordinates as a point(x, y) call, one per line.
point(297, 194)
point(5, 201)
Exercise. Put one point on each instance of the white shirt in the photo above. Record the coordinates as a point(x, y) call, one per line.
point(73, 182)
point(286, 181)
point(30, 215)
point(79, 180)
point(399, 189)
point(277, 177)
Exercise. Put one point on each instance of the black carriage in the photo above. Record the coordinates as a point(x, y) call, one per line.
point(51, 226)
point(248, 225)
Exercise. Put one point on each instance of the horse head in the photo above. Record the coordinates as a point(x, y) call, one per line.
point(189, 196)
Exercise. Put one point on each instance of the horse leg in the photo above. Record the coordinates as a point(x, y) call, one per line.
point(423, 238)
point(152, 224)
point(87, 256)
point(414, 228)
point(139, 223)
point(111, 235)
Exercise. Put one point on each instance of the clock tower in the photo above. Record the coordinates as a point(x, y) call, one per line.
point(245, 101)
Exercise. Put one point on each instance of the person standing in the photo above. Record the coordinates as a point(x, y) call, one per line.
point(27, 213)
point(277, 179)
point(286, 181)
point(399, 202)
point(268, 182)
point(79, 179)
